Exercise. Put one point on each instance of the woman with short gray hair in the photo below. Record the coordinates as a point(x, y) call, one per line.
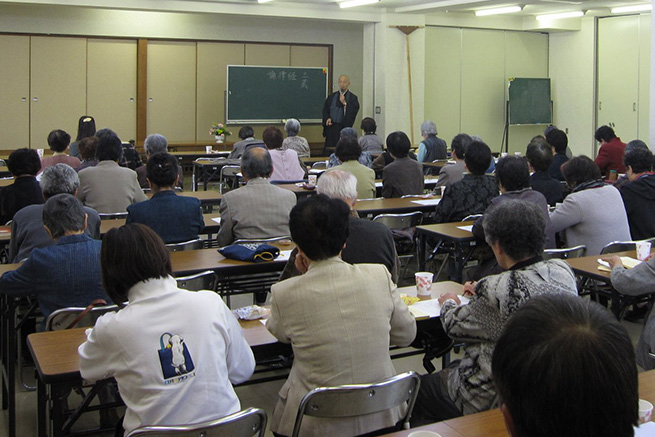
point(293, 141)
point(432, 147)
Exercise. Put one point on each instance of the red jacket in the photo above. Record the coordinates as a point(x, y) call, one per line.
point(610, 156)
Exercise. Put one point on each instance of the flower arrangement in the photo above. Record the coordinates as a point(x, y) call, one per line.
point(218, 129)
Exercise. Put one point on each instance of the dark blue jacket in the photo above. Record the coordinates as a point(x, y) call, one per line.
point(66, 274)
point(175, 218)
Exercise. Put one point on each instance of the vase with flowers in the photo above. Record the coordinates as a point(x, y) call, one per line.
point(219, 131)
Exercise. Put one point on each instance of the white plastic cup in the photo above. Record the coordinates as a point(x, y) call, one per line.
point(645, 411)
point(643, 250)
point(312, 179)
point(424, 433)
point(209, 149)
point(39, 152)
point(424, 284)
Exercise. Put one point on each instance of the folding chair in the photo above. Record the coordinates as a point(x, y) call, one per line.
point(206, 280)
point(186, 245)
point(246, 423)
point(403, 228)
point(360, 399)
point(566, 253)
point(228, 177)
point(112, 215)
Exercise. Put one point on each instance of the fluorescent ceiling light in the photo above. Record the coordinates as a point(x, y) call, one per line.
point(353, 3)
point(495, 11)
point(264, 1)
point(633, 8)
point(435, 5)
point(548, 17)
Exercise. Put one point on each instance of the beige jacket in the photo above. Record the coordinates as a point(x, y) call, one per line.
point(109, 188)
point(256, 210)
point(340, 320)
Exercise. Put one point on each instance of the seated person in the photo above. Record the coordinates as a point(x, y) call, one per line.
point(564, 366)
point(155, 143)
point(59, 140)
point(258, 209)
point(87, 150)
point(514, 182)
point(23, 164)
point(610, 155)
point(639, 194)
point(348, 151)
point(356, 313)
point(368, 241)
point(540, 156)
point(593, 214)
point(403, 176)
point(365, 158)
point(293, 141)
point(634, 144)
point(247, 136)
point(515, 232)
point(66, 274)
point(108, 188)
point(130, 157)
point(559, 142)
point(27, 231)
point(174, 218)
point(86, 127)
point(287, 166)
point(473, 194)
point(432, 147)
point(370, 141)
point(451, 173)
point(385, 159)
point(637, 281)
point(179, 367)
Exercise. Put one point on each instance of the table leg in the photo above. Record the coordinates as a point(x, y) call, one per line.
point(422, 246)
point(3, 349)
point(194, 183)
point(42, 396)
point(10, 366)
point(458, 263)
point(58, 406)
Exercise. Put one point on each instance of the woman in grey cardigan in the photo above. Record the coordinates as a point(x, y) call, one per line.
point(593, 214)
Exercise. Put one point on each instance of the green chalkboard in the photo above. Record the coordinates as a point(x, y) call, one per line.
point(260, 94)
point(529, 101)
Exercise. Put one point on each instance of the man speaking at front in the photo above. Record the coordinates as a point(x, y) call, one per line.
point(339, 111)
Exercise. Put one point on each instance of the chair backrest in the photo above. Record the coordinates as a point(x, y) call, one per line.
point(566, 253)
point(360, 399)
point(228, 171)
point(320, 165)
point(186, 245)
point(400, 221)
point(471, 217)
point(60, 319)
point(618, 246)
point(424, 196)
point(290, 181)
point(246, 423)
point(112, 215)
point(262, 240)
point(206, 280)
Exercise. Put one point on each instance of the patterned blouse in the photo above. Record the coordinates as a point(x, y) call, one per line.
point(471, 195)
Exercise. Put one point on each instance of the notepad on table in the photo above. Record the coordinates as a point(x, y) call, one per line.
point(427, 201)
point(628, 263)
point(466, 228)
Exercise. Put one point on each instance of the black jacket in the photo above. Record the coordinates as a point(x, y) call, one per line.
point(639, 200)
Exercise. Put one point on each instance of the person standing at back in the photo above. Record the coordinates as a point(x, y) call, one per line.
point(339, 111)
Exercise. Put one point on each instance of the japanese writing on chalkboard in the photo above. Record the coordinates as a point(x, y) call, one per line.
point(289, 76)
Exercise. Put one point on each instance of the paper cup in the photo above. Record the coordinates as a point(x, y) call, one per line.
point(209, 149)
point(423, 434)
point(312, 179)
point(643, 250)
point(645, 411)
point(40, 152)
point(424, 284)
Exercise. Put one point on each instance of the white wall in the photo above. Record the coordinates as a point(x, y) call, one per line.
point(572, 69)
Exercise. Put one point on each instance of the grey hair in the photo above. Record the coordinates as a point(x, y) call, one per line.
point(155, 143)
point(476, 138)
point(348, 132)
point(63, 213)
point(292, 127)
point(428, 128)
point(256, 162)
point(59, 179)
point(518, 226)
point(337, 184)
